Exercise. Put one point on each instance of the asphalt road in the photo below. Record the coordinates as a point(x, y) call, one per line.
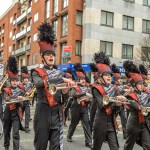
point(26, 140)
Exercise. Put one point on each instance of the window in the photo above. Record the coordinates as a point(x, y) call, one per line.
point(29, 21)
point(127, 51)
point(14, 47)
point(64, 60)
point(79, 17)
point(65, 3)
point(36, 17)
point(21, 62)
point(30, 3)
point(10, 34)
point(14, 31)
point(28, 60)
point(106, 47)
point(10, 49)
point(146, 26)
point(146, 2)
point(35, 1)
point(145, 54)
point(35, 37)
point(128, 23)
point(107, 18)
point(64, 25)
point(78, 47)
point(11, 19)
point(55, 25)
point(29, 40)
point(34, 58)
point(47, 4)
point(55, 6)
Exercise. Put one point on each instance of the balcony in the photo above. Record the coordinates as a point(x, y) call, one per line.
point(21, 34)
point(28, 47)
point(29, 10)
point(19, 51)
point(2, 44)
point(3, 31)
point(28, 28)
point(15, 21)
point(22, 17)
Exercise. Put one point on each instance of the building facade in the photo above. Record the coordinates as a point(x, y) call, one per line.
point(116, 27)
point(18, 28)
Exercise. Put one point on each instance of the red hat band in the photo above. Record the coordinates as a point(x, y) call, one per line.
point(116, 75)
point(144, 76)
point(136, 77)
point(44, 46)
point(103, 68)
point(24, 75)
point(80, 74)
point(95, 74)
point(11, 75)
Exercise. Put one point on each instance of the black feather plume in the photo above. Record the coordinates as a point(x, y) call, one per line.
point(115, 69)
point(143, 69)
point(93, 67)
point(12, 65)
point(69, 70)
point(78, 67)
point(46, 33)
point(24, 69)
point(100, 57)
point(130, 67)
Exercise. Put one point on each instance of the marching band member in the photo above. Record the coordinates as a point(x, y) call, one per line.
point(144, 74)
point(68, 75)
point(105, 120)
point(26, 104)
point(122, 90)
point(48, 122)
point(94, 102)
point(79, 111)
point(136, 125)
point(11, 113)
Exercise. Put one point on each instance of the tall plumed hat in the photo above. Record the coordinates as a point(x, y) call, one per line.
point(46, 38)
point(144, 72)
point(94, 70)
point(133, 72)
point(69, 73)
point(12, 68)
point(79, 71)
point(102, 62)
point(24, 72)
point(115, 71)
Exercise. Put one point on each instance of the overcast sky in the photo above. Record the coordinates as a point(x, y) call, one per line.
point(4, 5)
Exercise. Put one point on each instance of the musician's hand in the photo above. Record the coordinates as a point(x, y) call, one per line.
point(27, 93)
point(20, 97)
point(88, 94)
point(69, 82)
point(118, 104)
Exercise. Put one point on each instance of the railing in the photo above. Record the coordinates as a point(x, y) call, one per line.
point(19, 51)
point(29, 10)
point(28, 28)
point(20, 34)
point(22, 16)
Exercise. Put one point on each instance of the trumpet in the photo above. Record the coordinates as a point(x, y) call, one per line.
point(31, 93)
point(107, 100)
point(3, 82)
point(145, 110)
point(15, 100)
point(53, 88)
point(84, 98)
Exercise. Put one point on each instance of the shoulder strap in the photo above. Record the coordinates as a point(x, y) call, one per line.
point(77, 88)
point(8, 91)
point(21, 86)
point(134, 96)
point(101, 89)
point(42, 73)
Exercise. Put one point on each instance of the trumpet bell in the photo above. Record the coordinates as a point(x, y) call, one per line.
point(106, 100)
point(52, 89)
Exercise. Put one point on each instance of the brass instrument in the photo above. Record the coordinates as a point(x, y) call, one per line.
point(84, 98)
point(107, 100)
point(15, 100)
point(145, 110)
point(53, 88)
point(3, 82)
point(31, 93)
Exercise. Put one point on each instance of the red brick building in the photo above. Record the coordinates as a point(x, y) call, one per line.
point(18, 29)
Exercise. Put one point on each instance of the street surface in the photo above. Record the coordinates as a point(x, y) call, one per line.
point(26, 139)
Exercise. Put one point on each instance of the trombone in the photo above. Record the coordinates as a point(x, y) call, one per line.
point(3, 82)
point(53, 88)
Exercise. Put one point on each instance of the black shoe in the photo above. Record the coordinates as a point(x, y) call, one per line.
point(69, 139)
point(88, 145)
point(27, 130)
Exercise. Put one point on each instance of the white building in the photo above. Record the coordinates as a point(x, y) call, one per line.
point(116, 27)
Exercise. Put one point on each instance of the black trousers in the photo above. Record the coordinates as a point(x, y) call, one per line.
point(133, 133)
point(11, 120)
point(78, 113)
point(123, 120)
point(26, 111)
point(103, 131)
point(1, 108)
point(47, 127)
